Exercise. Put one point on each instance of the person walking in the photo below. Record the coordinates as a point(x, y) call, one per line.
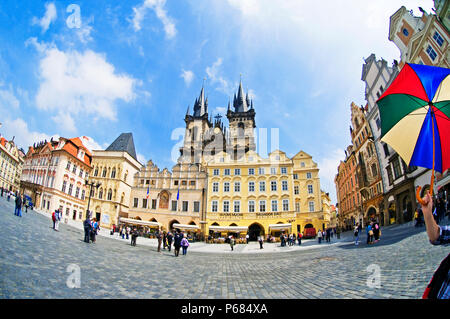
point(319, 236)
point(134, 235)
point(247, 237)
point(439, 285)
point(159, 237)
point(376, 232)
point(177, 242)
point(18, 209)
point(184, 244)
point(261, 241)
point(87, 229)
point(232, 242)
point(328, 235)
point(356, 234)
point(164, 240)
point(169, 241)
point(127, 232)
point(299, 238)
point(369, 232)
point(94, 230)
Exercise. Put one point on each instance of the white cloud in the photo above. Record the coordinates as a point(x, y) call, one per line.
point(213, 73)
point(141, 158)
point(188, 76)
point(22, 135)
point(158, 7)
point(8, 100)
point(65, 122)
point(48, 18)
point(91, 144)
point(220, 110)
point(81, 83)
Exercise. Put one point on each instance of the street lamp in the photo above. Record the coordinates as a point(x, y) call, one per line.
point(91, 184)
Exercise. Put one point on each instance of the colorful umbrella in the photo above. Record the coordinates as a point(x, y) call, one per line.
point(415, 117)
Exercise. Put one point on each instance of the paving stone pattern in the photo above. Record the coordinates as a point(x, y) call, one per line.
point(35, 263)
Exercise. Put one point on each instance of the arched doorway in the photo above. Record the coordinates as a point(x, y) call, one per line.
point(254, 231)
point(407, 209)
point(171, 225)
point(371, 214)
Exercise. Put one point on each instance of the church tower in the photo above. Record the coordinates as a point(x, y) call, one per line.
point(197, 127)
point(241, 124)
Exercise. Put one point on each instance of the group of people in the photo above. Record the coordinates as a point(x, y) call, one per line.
point(289, 239)
point(373, 232)
point(325, 234)
point(178, 238)
point(91, 229)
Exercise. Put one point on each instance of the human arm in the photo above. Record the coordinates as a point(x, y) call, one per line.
point(438, 235)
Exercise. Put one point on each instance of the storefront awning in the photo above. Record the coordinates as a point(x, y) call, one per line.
point(236, 229)
point(139, 222)
point(280, 226)
point(187, 227)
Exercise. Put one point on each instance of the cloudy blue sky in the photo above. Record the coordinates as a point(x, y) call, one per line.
point(100, 68)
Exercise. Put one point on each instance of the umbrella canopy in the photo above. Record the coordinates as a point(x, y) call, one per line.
point(415, 116)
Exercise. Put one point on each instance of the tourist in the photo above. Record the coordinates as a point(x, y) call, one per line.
point(247, 237)
point(127, 232)
point(328, 235)
point(261, 241)
point(232, 242)
point(319, 236)
point(134, 235)
point(87, 229)
point(159, 237)
point(369, 232)
point(169, 241)
point(164, 240)
point(299, 238)
point(439, 286)
point(184, 244)
point(177, 242)
point(356, 234)
point(94, 229)
point(376, 232)
point(18, 209)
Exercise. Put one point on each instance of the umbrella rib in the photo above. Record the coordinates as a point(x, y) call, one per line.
point(416, 101)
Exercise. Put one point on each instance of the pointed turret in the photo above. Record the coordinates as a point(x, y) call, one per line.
point(201, 104)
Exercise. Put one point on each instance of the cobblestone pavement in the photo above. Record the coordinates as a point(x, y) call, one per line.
point(36, 262)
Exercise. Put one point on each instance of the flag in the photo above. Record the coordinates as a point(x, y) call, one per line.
point(178, 194)
point(148, 191)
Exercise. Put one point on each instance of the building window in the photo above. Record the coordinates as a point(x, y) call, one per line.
point(175, 183)
point(77, 192)
point(284, 185)
point(284, 170)
point(226, 206)
point(154, 204)
point(81, 173)
point(251, 186)
point(237, 171)
point(110, 194)
point(397, 170)
point(226, 187)
point(237, 206)
point(405, 32)
point(262, 205)
point(285, 205)
point(389, 173)
point(295, 176)
point(70, 189)
point(237, 187)
point(68, 166)
point(296, 191)
point(196, 207)
point(431, 53)
point(64, 186)
point(144, 203)
point(273, 186)
point(310, 189)
point(374, 170)
point(261, 171)
point(215, 188)
point(274, 206)
point(104, 172)
point(135, 203)
point(185, 206)
point(262, 186)
point(251, 171)
point(378, 122)
point(302, 164)
point(437, 37)
point(273, 170)
point(251, 206)
point(192, 183)
point(82, 194)
point(386, 150)
point(214, 206)
point(297, 207)
point(74, 169)
point(308, 175)
point(311, 206)
point(113, 173)
point(226, 172)
point(216, 172)
point(100, 194)
point(174, 205)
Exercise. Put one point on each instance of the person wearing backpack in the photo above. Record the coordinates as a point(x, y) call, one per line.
point(57, 219)
point(232, 242)
point(184, 244)
point(94, 229)
point(87, 229)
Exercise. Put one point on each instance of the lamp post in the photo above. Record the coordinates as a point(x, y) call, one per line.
point(91, 184)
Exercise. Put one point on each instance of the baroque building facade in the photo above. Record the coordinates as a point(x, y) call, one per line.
point(11, 162)
point(54, 175)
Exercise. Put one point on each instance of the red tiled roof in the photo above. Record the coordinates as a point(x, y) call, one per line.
point(73, 147)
